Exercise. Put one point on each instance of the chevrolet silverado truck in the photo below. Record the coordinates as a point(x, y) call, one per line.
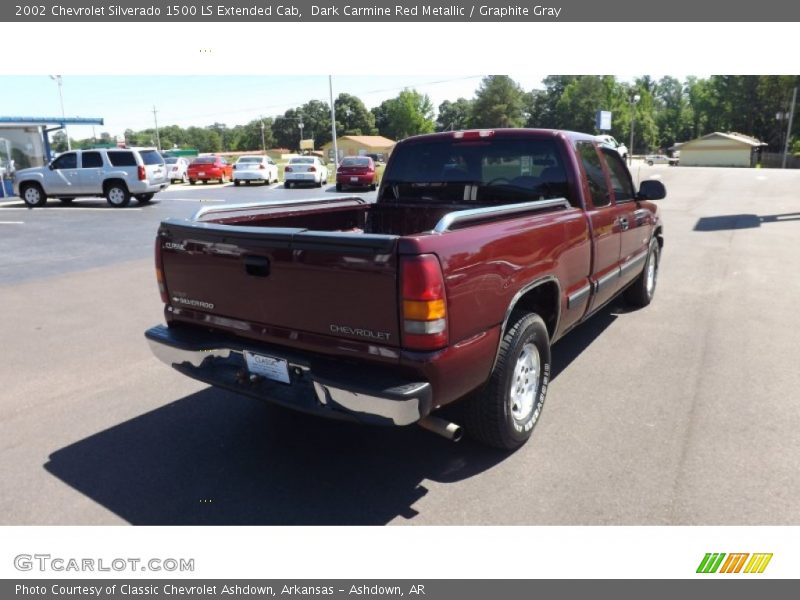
point(482, 249)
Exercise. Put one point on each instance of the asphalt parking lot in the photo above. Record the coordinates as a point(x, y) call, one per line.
point(684, 412)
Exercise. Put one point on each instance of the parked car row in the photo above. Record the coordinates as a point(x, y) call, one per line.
point(119, 174)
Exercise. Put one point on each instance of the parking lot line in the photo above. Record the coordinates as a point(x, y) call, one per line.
point(69, 208)
point(194, 199)
point(12, 222)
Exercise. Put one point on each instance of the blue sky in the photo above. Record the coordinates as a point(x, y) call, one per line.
point(127, 101)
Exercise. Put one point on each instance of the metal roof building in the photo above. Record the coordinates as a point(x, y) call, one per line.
point(721, 150)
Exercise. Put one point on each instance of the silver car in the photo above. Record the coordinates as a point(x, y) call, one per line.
point(117, 174)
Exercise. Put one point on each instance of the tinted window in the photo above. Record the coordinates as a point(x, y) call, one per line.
point(204, 160)
point(249, 159)
point(91, 160)
point(302, 161)
point(488, 170)
point(620, 178)
point(355, 162)
point(121, 158)
point(66, 161)
point(171, 160)
point(151, 157)
point(594, 174)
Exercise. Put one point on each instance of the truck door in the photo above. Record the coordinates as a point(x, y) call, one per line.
point(91, 172)
point(634, 222)
point(604, 216)
point(63, 178)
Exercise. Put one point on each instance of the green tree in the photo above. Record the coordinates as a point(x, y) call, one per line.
point(454, 115)
point(352, 117)
point(499, 102)
point(410, 113)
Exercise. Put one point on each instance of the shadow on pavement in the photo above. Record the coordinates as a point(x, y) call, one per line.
point(743, 221)
point(217, 458)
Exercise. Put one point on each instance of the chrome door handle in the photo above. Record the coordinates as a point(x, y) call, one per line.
point(623, 223)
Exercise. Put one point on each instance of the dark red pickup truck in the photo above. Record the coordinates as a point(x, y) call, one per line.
point(482, 249)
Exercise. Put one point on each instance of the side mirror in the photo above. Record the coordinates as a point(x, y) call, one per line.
point(50, 165)
point(651, 189)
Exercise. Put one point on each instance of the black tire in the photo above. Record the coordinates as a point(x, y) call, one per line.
point(236, 182)
point(205, 181)
point(117, 195)
point(33, 194)
point(144, 198)
point(641, 291)
point(192, 182)
point(649, 163)
point(338, 187)
point(373, 186)
point(65, 201)
point(490, 416)
point(287, 184)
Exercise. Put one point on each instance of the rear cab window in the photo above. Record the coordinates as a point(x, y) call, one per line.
point(484, 171)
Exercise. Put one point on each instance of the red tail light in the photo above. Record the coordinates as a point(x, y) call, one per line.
point(312, 169)
point(162, 286)
point(424, 306)
point(261, 166)
point(142, 173)
point(287, 170)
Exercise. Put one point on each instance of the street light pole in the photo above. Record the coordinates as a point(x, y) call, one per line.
point(634, 99)
point(789, 129)
point(158, 138)
point(263, 143)
point(57, 79)
point(301, 125)
point(333, 124)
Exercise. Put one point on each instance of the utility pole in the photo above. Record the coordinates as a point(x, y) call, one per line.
point(634, 99)
point(57, 79)
point(789, 128)
point(263, 143)
point(155, 118)
point(333, 125)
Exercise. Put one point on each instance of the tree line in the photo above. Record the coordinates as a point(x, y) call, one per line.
point(667, 111)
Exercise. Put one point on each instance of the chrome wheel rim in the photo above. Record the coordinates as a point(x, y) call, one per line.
point(32, 195)
point(651, 274)
point(116, 196)
point(525, 382)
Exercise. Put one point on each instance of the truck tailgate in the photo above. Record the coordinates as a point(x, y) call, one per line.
point(330, 283)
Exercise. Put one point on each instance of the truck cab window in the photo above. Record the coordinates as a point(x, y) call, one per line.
point(620, 179)
point(598, 188)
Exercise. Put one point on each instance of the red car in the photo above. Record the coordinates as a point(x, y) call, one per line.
point(205, 168)
point(356, 171)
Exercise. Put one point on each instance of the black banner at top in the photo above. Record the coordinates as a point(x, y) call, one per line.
point(360, 11)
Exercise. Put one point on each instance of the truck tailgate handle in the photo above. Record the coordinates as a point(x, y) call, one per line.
point(257, 266)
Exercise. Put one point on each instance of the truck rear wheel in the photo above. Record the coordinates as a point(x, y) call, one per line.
point(504, 413)
point(642, 290)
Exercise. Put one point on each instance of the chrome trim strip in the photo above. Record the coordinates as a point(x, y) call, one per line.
point(606, 279)
point(630, 263)
point(534, 284)
point(576, 298)
point(254, 208)
point(475, 214)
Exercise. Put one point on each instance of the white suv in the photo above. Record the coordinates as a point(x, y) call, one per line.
point(609, 141)
point(118, 174)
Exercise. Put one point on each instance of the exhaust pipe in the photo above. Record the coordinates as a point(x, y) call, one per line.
point(444, 428)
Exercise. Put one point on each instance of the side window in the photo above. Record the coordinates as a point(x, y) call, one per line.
point(620, 178)
point(66, 161)
point(122, 159)
point(594, 174)
point(91, 160)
